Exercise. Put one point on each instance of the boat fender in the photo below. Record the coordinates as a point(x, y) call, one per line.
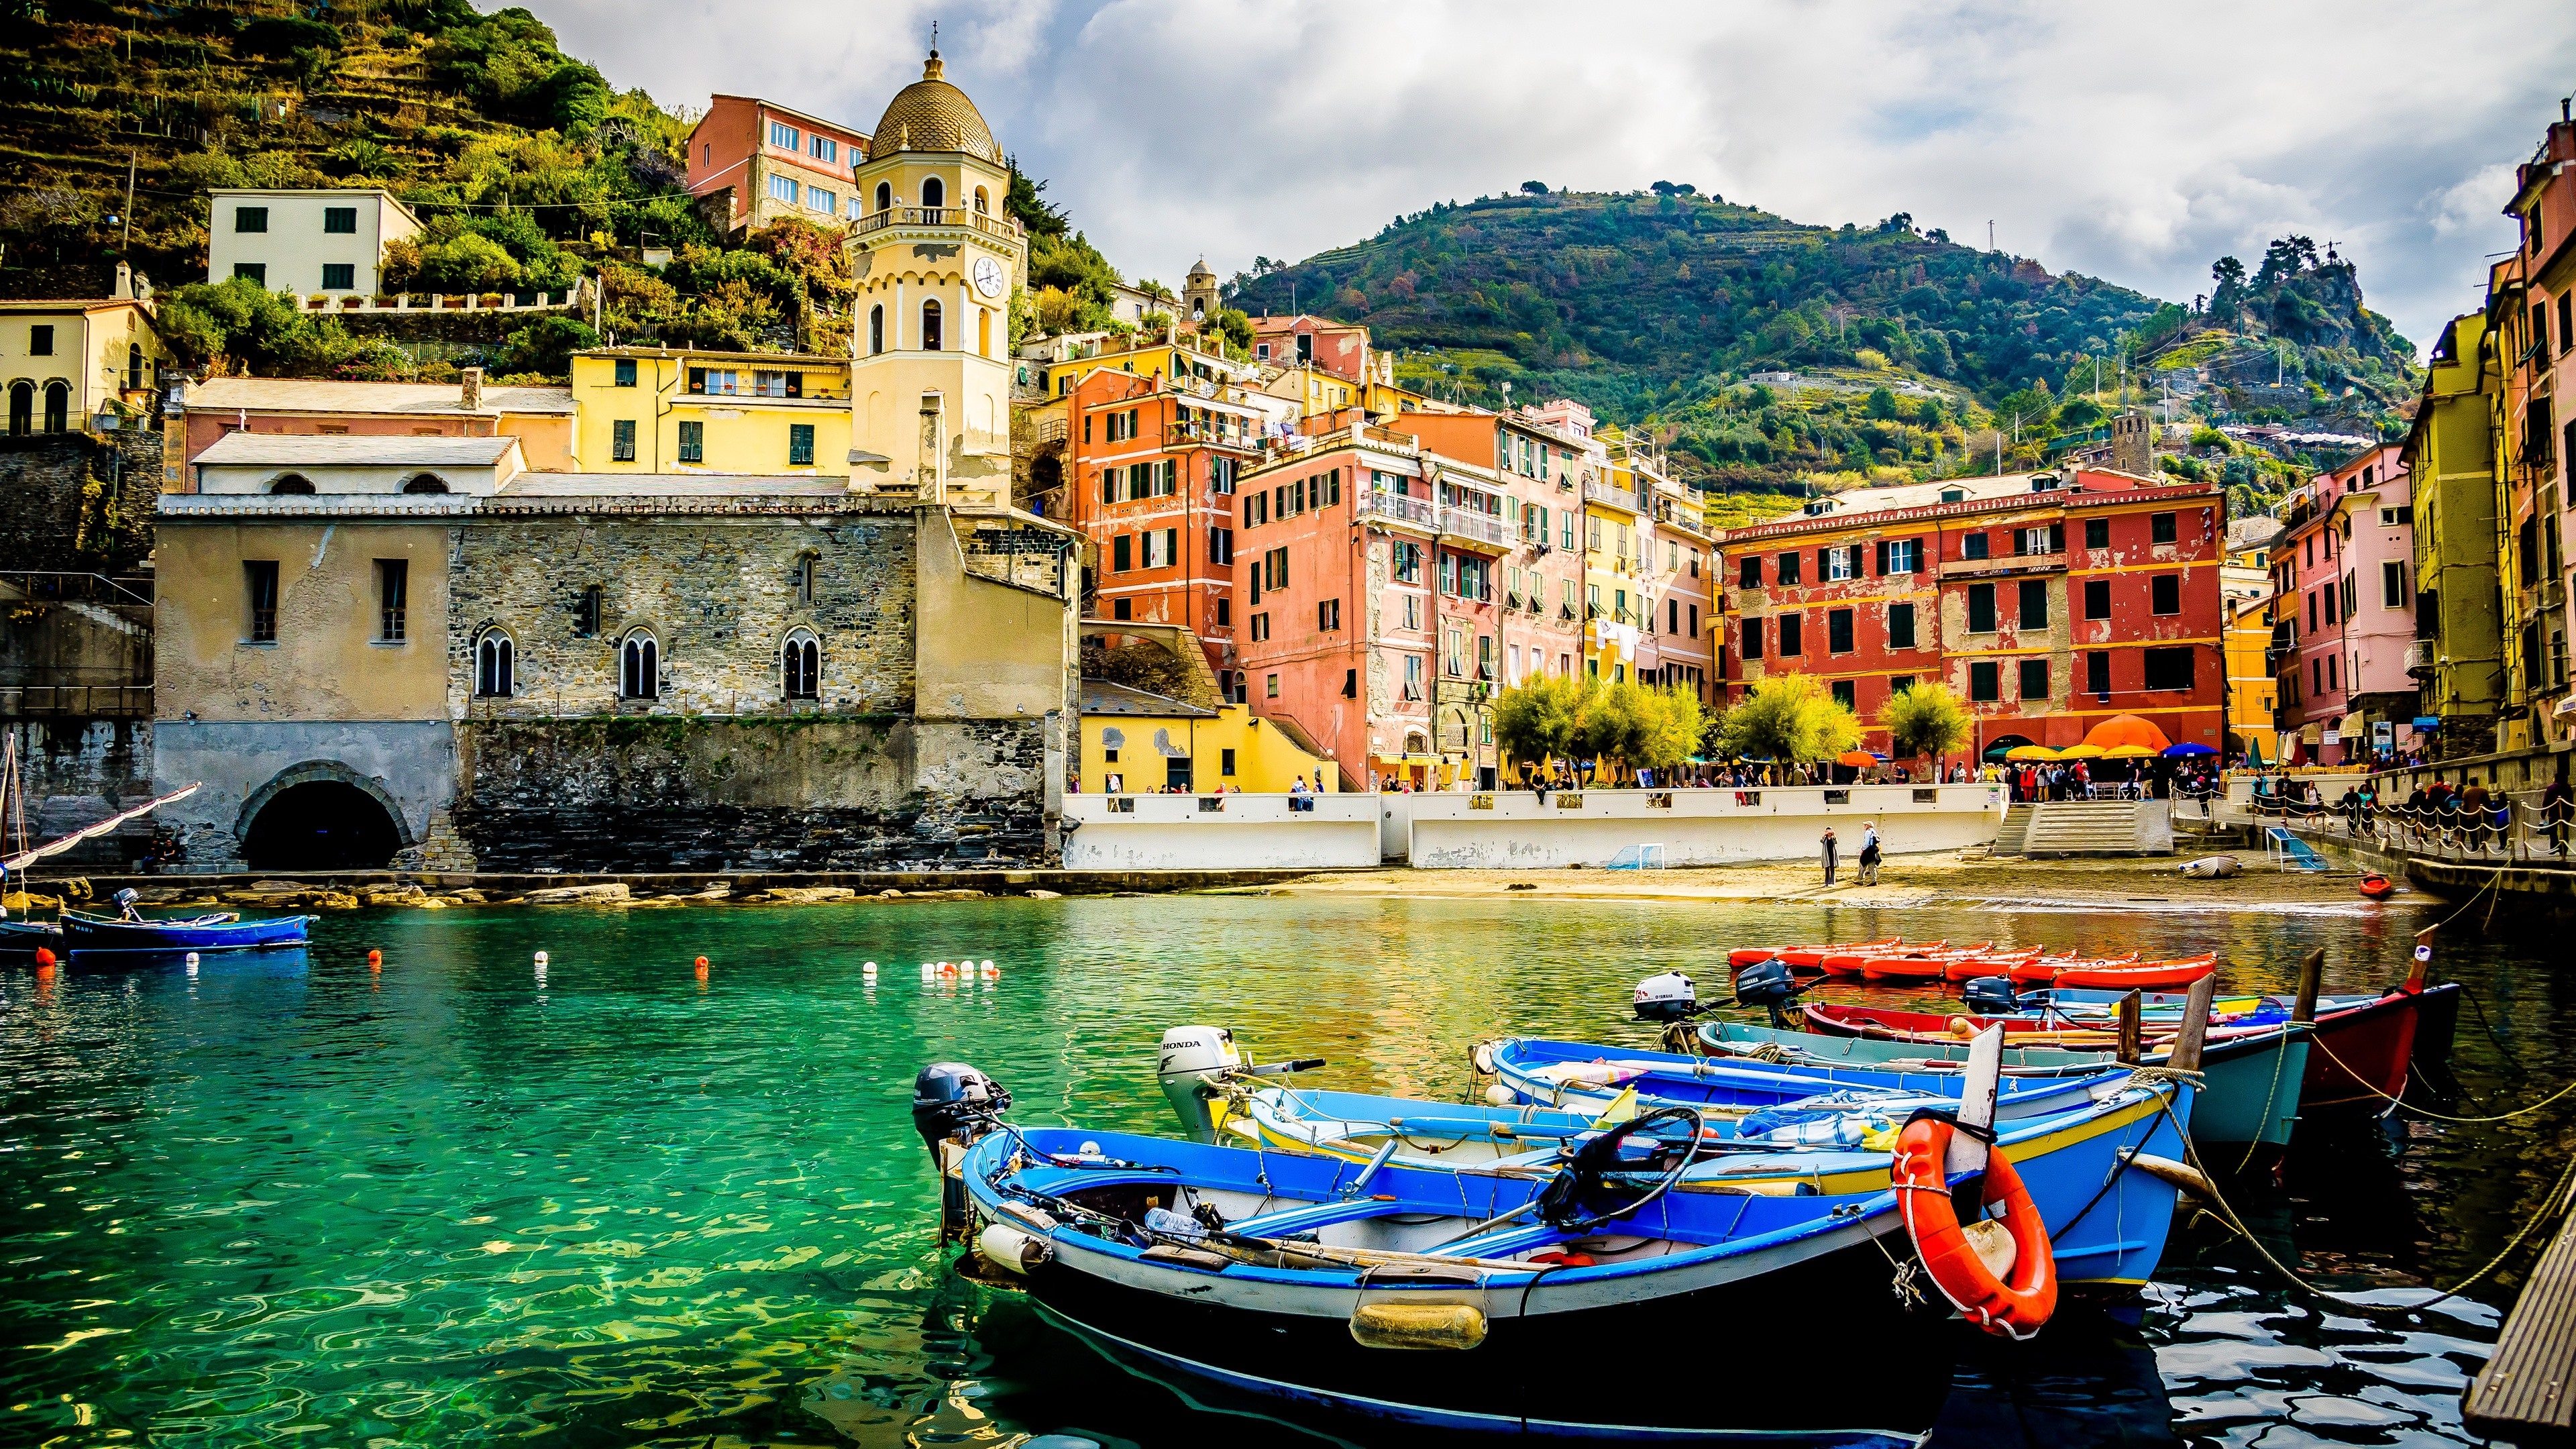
point(2181, 1174)
point(1499, 1095)
point(1963, 1027)
point(1009, 1249)
point(2009, 1296)
point(1418, 1325)
point(1179, 1257)
point(1482, 1054)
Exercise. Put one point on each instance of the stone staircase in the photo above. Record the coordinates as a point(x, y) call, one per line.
point(2015, 829)
point(2098, 827)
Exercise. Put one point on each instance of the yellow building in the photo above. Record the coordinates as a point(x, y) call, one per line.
point(659, 410)
point(2450, 464)
point(2251, 688)
point(65, 362)
point(1137, 743)
point(939, 263)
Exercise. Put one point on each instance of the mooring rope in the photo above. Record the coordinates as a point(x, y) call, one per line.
point(2550, 1207)
point(2399, 1102)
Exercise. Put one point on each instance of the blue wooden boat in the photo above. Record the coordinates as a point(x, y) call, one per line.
point(90, 935)
point(2249, 1089)
point(1586, 1076)
point(1302, 1278)
point(23, 938)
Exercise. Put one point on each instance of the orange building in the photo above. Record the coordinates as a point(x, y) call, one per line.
point(1149, 477)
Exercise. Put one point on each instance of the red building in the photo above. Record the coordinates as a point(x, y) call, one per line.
point(1389, 583)
point(2048, 601)
point(777, 162)
point(1149, 477)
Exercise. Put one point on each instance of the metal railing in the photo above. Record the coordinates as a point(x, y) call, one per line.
point(1381, 504)
point(96, 701)
point(1481, 527)
point(1631, 499)
point(49, 586)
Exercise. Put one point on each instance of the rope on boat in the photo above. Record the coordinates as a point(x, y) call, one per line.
point(2398, 1103)
point(2550, 1207)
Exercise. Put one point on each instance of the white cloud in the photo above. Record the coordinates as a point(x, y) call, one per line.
point(2128, 145)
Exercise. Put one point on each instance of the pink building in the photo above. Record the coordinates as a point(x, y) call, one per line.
point(777, 162)
point(2373, 520)
point(1382, 580)
point(2318, 589)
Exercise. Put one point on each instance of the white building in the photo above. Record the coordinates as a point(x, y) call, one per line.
point(304, 241)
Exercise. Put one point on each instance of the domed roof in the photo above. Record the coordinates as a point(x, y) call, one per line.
point(932, 115)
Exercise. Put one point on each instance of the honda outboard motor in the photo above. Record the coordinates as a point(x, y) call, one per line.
point(1992, 996)
point(1769, 985)
point(953, 1104)
point(1669, 997)
point(1193, 1059)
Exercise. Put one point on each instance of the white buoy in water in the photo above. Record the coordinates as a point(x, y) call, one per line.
point(989, 969)
point(541, 960)
point(192, 960)
point(928, 971)
point(868, 969)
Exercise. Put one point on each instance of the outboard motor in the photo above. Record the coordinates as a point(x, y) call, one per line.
point(1669, 997)
point(1770, 985)
point(1992, 996)
point(953, 1104)
point(1193, 1059)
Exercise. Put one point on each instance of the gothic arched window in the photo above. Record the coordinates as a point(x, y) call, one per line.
point(640, 667)
point(496, 666)
point(801, 665)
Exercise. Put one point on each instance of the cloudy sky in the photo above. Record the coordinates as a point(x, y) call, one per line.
point(2136, 146)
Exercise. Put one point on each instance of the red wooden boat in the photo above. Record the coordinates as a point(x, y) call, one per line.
point(2152, 976)
point(1970, 970)
point(1804, 957)
point(1850, 960)
point(2362, 1044)
point(1937, 967)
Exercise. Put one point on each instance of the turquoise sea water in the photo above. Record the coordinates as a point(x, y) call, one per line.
point(289, 1200)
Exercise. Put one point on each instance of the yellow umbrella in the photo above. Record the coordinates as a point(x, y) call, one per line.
point(2030, 752)
point(2084, 752)
point(2129, 752)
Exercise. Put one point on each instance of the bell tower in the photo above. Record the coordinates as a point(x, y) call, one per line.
point(1198, 294)
point(938, 263)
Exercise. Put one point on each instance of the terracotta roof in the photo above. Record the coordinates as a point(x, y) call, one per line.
point(286, 450)
point(311, 395)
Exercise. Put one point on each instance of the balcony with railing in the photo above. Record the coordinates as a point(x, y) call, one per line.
point(998, 226)
point(1476, 527)
point(2420, 658)
point(1398, 508)
point(1628, 498)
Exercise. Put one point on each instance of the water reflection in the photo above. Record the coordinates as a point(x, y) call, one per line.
point(441, 1202)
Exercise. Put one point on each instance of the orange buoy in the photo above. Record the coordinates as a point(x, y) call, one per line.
point(44, 959)
point(702, 963)
point(2012, 1300)
point(2375, 885)
point(375, 958)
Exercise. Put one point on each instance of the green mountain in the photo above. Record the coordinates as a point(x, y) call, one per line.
point(1669, 311)
point(528, 168)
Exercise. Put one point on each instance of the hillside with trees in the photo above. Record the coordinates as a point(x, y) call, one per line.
point(1907, 355)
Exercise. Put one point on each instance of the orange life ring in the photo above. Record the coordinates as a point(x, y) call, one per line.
point(2375, 885)
point(2014, 1308)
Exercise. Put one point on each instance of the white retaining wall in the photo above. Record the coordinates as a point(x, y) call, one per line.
point(1220, 832)
point(1507, 830)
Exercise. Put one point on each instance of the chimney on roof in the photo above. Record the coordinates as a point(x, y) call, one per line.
point(472, 396)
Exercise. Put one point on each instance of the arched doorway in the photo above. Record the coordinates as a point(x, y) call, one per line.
point(321, 825)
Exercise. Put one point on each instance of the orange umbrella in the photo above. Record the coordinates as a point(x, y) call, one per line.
point(2126, 729)
point(1857, 759)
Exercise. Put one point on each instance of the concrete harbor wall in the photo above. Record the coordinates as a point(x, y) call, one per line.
point(1506, 830)
point(1220, 832)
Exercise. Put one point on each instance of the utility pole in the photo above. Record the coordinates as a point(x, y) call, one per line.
point(128, 243)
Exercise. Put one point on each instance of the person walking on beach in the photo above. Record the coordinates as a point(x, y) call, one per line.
point(1869, 853)
point(1832, 855)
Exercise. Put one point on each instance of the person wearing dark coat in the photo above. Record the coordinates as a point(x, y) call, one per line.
point(1833, 855)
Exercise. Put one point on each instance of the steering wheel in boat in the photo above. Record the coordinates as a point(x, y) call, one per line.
point(1561, 1202)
